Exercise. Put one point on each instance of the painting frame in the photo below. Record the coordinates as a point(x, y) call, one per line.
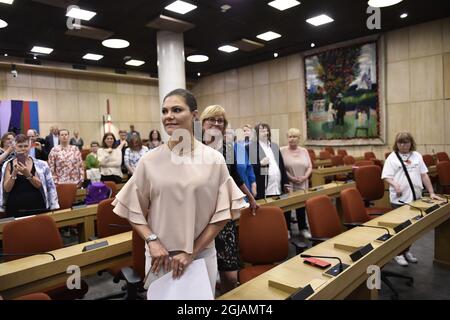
point(378, 110)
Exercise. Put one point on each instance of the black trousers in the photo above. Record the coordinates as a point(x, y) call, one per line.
point(301, 218)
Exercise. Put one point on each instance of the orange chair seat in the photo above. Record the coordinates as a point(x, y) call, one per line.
point(251, 272)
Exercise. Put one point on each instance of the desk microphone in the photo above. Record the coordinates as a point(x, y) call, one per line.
point(26, 254)
point(417, 208)
point(332, 271)
point(383, 237)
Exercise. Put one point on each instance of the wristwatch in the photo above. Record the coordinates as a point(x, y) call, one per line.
point(151, 237)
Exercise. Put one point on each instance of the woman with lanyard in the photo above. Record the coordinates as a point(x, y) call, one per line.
point(406, 174)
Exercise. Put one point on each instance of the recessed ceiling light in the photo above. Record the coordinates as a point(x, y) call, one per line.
point(92, 56)
point(383, 3)
point(197, 58)
point(115, 43)
point(135, 63)
point(320, 20)
point(3, 24)
point(227, 48)
point(5, 54)
point(81, 14)
point(275, 54)
point(180, 7)
point(198, 74)
point(404, 15)
point(7, 1)
point(34, 58)
point(283, 4)
point(269, 35)
point(43, 50)
point(313, 45)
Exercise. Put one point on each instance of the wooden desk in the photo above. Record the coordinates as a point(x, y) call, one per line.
point(84, 216)
point(298, 199)
point(323, 163)
point(295, 273)
point(318, 175)
point(36, 273)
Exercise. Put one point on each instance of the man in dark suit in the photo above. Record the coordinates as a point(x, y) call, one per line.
point(52, 139)
point(37, 145)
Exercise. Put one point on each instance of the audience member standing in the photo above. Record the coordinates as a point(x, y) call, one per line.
point(27, 183)
point(298, 169)
point(52, 139)
point(65, 161)
point(7, 147)
point(77, 141)
point(110, 158)
point(133, 153)
point(154, 140)
point(37, 145)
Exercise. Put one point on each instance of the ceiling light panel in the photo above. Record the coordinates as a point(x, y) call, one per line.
point(269, 35)
point(383, 3)
point(180, 7)
point(80, 14)
point(3, 24)
point(92, 56)
point(135, 63)
point(228, 48)
point(320, 20)
point(197, 58)
point(7, 1)
point(283, 4)
point(115, 43)
point(43, 50)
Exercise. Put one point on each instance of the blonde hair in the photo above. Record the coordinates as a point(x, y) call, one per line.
point(404, 137)
point(214, 111)
point(293, 132)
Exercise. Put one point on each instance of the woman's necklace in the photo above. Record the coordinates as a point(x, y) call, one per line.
point(405, 157)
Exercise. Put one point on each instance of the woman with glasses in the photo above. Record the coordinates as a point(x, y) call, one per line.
point(400, 190)
point(214, 124)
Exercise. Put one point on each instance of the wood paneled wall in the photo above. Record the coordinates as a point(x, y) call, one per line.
point(417, 76)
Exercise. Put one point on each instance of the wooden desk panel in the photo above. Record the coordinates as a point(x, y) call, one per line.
point(318, 175)
point(295, 273)
point(36, 273)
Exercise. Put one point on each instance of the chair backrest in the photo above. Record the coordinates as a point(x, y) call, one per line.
point(353, 206)
point(67, 193)
point(337, 161)
point(342, 152)
point(106, 218)
point(349, 160)
point(324, 155)
point(330, 150)
point(429, 160)
point(263, 238)
point(31, 235)
point(138, 254)
point(113, 186)
point(443, 170)
point(312, 154)
point(369, 155)
point(363, 163)
point(369, 183)
point(442, 156)
point(322, 217)
point(84, 153)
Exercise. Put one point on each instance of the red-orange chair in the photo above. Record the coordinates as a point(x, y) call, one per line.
point(324, 155)
point(337, 161)
point(255, 247)
point(363, 163)
point(353, 207)
point(312, 154)
point(330, 150)
point(429, 160)
point(442, 156)
point(443, 170)
point(67, 193)
point(369, 155)
point(113, 186)
point(371, 186)
point(38, 234)
point(323, 219)
point(34, 296)
point(349, 160)
point(342, 153)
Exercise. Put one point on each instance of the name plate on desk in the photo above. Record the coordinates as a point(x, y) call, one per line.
point(346, 247)
point(361, 252)
point(431, 209)
point(402, 226)
point(95, 245)
point(302, 293)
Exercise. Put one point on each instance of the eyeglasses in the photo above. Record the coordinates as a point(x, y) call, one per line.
point(218, 121)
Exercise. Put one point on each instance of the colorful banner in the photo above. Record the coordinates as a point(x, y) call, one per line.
point(18, 116)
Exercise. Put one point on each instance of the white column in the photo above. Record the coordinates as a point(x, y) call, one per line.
point(171, 73)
